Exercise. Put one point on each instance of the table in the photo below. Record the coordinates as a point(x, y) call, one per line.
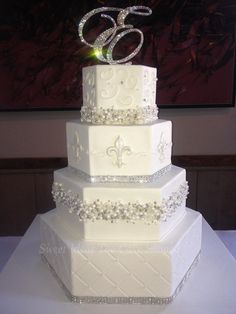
point(27, 286)
point(7, 247)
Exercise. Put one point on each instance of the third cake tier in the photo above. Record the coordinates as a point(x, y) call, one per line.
point(120, 212)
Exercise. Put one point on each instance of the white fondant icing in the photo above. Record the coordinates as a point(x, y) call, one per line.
point(122, 269)
point(142, 140)
point(119, 86)
point(125, 193)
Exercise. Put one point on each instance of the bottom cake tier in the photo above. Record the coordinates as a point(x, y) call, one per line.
point(95, 272)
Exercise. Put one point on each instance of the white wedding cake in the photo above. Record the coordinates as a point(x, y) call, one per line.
point(120, 232)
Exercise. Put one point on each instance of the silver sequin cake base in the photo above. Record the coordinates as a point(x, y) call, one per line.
point(122, 300)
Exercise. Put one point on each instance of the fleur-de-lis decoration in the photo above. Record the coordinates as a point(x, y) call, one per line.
point(77, 147)
point(162, 147)
point(119, 149)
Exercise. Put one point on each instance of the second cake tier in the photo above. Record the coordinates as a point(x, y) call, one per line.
point(118, 151)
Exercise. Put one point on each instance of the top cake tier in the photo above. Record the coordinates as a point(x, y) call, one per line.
point(119, 94)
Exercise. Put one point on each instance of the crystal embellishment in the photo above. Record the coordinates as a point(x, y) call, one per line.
point(121, 179)
point(118, 116)
point(112, 35)
point(109, 210)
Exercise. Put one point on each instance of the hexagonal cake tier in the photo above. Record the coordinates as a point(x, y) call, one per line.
point(121, 272)
point(132, 150)
point(118, 94)
point(120, 212)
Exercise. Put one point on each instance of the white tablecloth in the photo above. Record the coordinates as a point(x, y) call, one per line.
point(7, 247)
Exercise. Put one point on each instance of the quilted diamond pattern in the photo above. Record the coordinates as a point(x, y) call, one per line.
point(109, 270)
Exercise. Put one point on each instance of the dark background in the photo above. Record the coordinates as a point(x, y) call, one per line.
point(192, 44)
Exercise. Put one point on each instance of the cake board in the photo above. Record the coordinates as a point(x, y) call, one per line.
point(27, 286)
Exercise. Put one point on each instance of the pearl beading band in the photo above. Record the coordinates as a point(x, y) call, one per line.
point(123, 117)
point(113, 211)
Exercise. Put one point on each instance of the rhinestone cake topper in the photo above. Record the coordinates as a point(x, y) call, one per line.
point(112, 35)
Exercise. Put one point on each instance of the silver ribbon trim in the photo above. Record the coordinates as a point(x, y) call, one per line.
point(121, 179)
